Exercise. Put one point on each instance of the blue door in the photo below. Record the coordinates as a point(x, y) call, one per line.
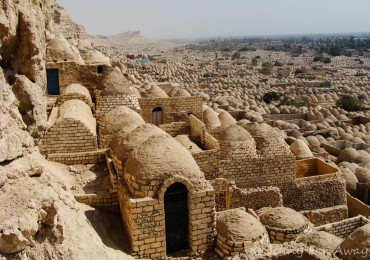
point(52, 77)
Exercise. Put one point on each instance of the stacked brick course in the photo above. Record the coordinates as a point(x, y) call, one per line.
point(145, 224)
point(78, 158)
point(106, 103)
point(75, 91)
point(73, 131)
point(174, 109)
point(176, 128)
point(345, 227)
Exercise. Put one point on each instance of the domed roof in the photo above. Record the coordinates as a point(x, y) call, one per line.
point(320, 239)
point(238, 226)
point(182, 93)
point(300, 150)
point(94, 57)
point(266, 137)
point(123, 143)
point(210, 118)
point(77, 88)
point(226, 118)
point(59, 50)
point(121, 119)
point(155, 91)
point(78, 110)
point(358, 241)
point(162, 157)
point(114, 82)
point(283, 218)
point(235, 133)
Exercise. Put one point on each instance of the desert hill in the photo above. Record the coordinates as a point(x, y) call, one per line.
point(39, 218)
point(131, 41)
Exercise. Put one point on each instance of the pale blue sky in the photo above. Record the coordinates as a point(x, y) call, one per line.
point(210, 18)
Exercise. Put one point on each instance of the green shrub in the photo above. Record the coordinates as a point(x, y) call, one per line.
point(278, 63)
point(270, 96)
point(350, 103)
point(286, 101)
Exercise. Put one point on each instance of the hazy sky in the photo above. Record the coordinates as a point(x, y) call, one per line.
point(211, 18)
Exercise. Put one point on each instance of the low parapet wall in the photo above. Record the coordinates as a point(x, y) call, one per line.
point(357, 207)
point(324, 216)
point(78, 158)
point(313, 167)
point(345, 227)
point(106, 201)
point(176, 128)
point(255, 198)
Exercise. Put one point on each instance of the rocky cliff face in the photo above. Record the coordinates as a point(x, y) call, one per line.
point(39, 219)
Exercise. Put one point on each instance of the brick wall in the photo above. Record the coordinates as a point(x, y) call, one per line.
point(345, 227)
point(68, 136)
point(70, 73)
point(176, 128)
point(208, 162)
point(144, 220)
point(77, 158)
point(258, 171)
point(174, 109)
point(64, 97)
point(107, 201)
point(106, 103)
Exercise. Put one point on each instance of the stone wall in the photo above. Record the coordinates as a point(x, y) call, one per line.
point(255, 198)
point(174, 109)
point(68, 136)
point(345, 227)
point(315, 192)
point(106, 103)
point(176, 128)
point(221, 187)
point(326, 215)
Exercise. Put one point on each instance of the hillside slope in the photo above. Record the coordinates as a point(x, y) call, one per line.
point(39, 217)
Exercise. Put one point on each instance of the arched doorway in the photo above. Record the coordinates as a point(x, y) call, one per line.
point(176, 218)
point(157, 116)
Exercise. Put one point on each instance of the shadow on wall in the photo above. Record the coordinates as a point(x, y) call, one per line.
point(108, 225)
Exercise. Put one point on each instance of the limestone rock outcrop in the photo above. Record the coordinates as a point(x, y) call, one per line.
point(31, 105)
point(41, 217)
point(14, 139)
